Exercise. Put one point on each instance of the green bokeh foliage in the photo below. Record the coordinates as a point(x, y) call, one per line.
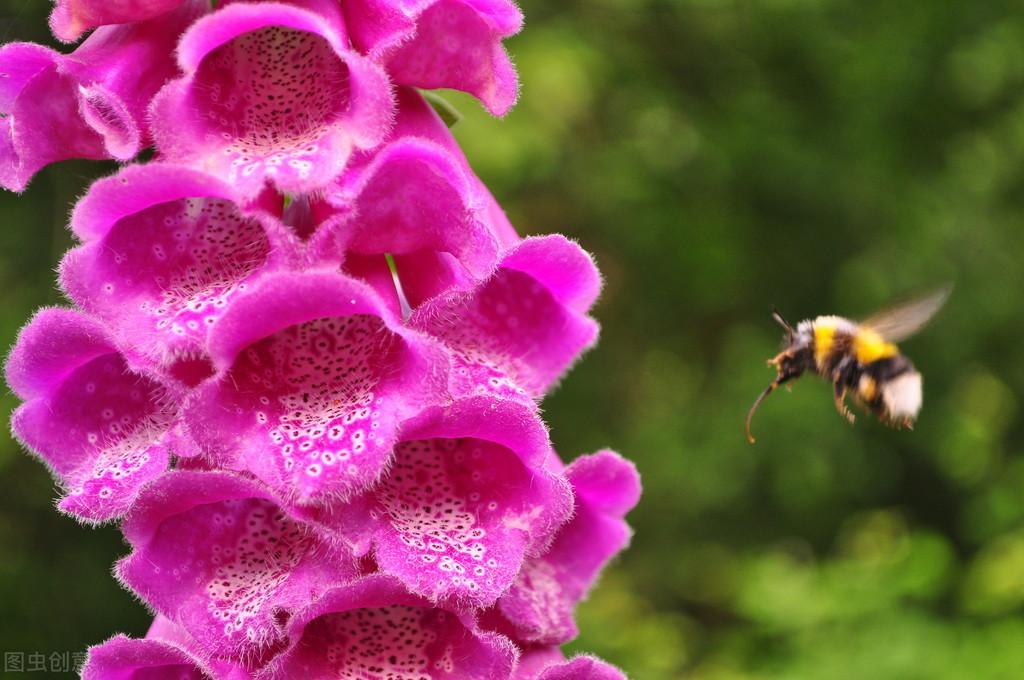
point(719, 157)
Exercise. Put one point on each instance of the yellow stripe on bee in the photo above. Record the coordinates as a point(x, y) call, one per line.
point(824, 334)
point(869, 346)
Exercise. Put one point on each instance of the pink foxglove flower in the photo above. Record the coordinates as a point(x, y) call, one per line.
point(87, 104)
point(436, 180)
point(373, 627)
point(410, 196)
point(416, 118)
point(548, 663)
point(307, 350)
point(166, 652)
point(414, 198)
point(468, 496)
point(516, 332)
point(442, 43)
point(71, 18)
point(102, 429)
point(217, 554)
point(271, 91)
point(539, 606)
point(314, 376)
point(165, 250)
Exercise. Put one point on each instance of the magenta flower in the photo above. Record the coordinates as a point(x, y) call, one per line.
point(548, 663)
point(467, 497)
point(416, 118)
point(374, 628)
point(516, 332)
point(87, 104)
point(217, 554)
point(539, 606)
point(166, 248)
point(314, 375)
point(102, 429)
point(167, 652)
point(71, 18)
point(414, 198)
point(308, 348)
point(271, 91)
point(442, 43)
point(409, 197)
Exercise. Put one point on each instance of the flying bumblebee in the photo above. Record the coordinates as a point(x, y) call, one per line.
point(861, 358)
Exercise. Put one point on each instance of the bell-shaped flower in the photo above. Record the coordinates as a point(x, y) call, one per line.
point(442, 43)
point(467, 498)
point(272, 91)
point(437, 265)
point(548, 663)
point(165, 249)
point(417, 118)
point(102, 429)
point(413, 198)
point(410, 198)
point(411, 195)
point(215, 553)
point(374, 628)
point(538, 609)
point(415, 121)
point(91, 103)
point(167, 653)
point(314, 376)
point(71, 18)
point(515, 333)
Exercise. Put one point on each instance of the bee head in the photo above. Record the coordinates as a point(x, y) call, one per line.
point(790, 362)
point(795, 358)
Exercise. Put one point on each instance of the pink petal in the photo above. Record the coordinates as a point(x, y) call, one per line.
point(167, 653)
point(539, 606)
point(411, 195)
point(374, 271)
point(415, 198)
point(89, 104)
point(550, 664)
point(465, 501)
point(315, 375)
point(122, 657)
point(442, 43)
point(374, 628)
point(417, 121)
point(457, 46)
point(30, 138)
point(417, 118)
point(51, 347)
point(271, 91)
point(102, 429)
point(71, 18)
point(166, 250)
point(216, 554)
point(518, 331)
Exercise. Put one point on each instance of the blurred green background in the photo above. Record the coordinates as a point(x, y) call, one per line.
point(719, 157)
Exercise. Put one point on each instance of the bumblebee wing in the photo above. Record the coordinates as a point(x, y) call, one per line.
point(901, 321)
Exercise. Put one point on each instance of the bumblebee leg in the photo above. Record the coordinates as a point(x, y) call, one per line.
point(839, 398)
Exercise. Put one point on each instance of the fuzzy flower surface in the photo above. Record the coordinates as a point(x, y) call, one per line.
point(304, 352)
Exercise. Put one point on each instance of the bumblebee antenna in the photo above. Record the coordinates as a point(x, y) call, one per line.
point(757, 402)
point(781, 320)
